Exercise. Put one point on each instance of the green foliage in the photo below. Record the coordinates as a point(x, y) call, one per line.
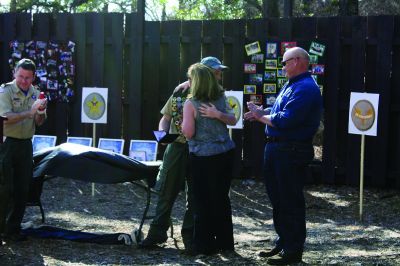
point(210, 9)
point(311, 8)
point(205, 9)
point(37, 6)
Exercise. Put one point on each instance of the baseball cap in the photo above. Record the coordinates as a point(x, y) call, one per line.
point(213, 62)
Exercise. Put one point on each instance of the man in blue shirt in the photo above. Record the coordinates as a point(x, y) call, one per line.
point(290, 126)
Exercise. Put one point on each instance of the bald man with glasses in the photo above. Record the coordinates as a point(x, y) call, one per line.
point(290, 126)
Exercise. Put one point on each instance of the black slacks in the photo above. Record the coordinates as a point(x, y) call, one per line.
point(212, 175)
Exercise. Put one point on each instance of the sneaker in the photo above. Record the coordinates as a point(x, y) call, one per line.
point(270, 253)
point(152, 242)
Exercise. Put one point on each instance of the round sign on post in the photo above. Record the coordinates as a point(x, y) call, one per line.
point(94, 110)
point(235, 101)
point(363, 115)
point(94, 105)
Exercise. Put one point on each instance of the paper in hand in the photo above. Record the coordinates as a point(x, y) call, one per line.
point(164, 137)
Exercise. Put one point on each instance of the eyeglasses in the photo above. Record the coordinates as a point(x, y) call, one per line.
point(285, 62)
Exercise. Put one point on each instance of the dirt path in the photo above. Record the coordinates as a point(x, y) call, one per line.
point(335, 237)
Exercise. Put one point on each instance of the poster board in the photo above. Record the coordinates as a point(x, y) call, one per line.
point(363, 113)
point(94, 105)
point(235, 101)
point(40, 142)
point(80, 140)
point(143, 150)
point(114, 145)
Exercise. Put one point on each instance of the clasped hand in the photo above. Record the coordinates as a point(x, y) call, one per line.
point(208, 110)
point(255, 112)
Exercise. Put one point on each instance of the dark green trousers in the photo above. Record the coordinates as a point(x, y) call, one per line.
point(170, 181)
point(15, 179)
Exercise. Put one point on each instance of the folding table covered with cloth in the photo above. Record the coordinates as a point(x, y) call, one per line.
point(90, 164)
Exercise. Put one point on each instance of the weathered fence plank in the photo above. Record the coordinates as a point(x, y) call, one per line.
point(378, 65)
point(113, 72)
point(328, 29)
point(234, 41)
point(151, 63)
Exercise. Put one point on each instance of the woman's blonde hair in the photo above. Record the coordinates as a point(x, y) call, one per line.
point(204, 86)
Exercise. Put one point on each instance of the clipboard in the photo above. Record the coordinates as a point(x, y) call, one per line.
point(164, 137)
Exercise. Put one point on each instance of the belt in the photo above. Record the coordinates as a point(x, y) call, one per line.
point(271, 139)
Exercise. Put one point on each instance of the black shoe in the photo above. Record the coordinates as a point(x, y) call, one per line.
point(152, 242)
point(271, 253)
point(287, 258)
point(15, 238)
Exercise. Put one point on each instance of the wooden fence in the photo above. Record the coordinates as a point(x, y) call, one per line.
point(142, 65)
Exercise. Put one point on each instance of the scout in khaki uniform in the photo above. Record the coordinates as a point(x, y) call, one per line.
point(23, 110)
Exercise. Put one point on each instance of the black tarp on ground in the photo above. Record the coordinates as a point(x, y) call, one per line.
point(53, 232)
point(90, 164)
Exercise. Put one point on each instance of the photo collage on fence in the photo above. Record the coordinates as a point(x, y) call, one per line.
point(264, 75)
point(55, 67)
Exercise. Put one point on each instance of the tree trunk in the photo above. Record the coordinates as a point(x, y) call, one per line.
point(271, 9)
point(348, 7)
point(288, 8)
point(13, 6)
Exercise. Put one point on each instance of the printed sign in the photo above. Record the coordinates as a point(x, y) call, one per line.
point(363, 113)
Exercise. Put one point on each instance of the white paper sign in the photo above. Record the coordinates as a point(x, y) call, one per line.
point(94, 105)
point(363, 113)
point(235, 101)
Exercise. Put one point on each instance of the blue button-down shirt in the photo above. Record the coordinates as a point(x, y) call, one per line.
point(297, 111)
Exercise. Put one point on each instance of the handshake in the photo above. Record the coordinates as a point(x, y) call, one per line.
point(255, 112)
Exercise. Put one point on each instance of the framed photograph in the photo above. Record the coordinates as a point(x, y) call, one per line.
point(280, 73)
point(271, 49)
point(40, 142)
point(249, 89)
point(80, 140)
point(257, 58)
point(252, 48)
point(270, 75)
point(271, 64)
point(143, 150)
point(313, 59)
point(317, 69)
point(317, 49)
point(269, 88)
point(256, 98)
point(281, 82)
point(270, 100)
point(114, 145)
point(256, 79)
point(286, 46)
point(250, 68)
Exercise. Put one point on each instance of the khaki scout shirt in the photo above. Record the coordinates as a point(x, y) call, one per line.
point(12, 99)
point(174, 108)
